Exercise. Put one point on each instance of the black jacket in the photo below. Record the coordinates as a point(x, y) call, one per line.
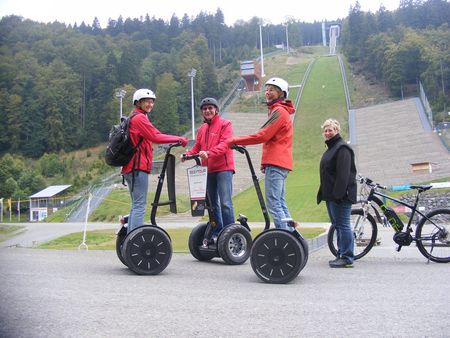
point(337, 172)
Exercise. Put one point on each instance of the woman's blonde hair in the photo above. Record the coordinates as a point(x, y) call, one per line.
point(332, 123)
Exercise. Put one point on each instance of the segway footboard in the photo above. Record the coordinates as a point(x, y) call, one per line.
point(278, 256)
point(195, 244)
point(147, 250)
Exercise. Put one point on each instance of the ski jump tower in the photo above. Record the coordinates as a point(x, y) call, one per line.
point(335, 31)
point(251, 73)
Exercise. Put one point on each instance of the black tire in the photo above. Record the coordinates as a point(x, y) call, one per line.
point(434, 242)
point(304, 244)
point(365, 233)
point(277, 257)
point(147, 250)
point(196, 240)
point(119, 243)
point(234, 244)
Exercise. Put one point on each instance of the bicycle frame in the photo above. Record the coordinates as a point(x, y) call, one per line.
point(373, 197)
point(414, 210)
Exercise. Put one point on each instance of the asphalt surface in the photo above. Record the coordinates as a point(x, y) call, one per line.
point(49, 293)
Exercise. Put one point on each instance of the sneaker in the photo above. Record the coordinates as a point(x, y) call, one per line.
point(333, 261)
point(205, 243)
point(340, 263)
point(290, 222)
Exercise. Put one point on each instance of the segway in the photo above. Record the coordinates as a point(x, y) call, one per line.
point(233, 242)
point(147, 250)
point(277, 256)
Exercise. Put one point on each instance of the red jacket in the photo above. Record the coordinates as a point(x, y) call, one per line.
point(211, 138)
point(276, 135)
point(141, 127)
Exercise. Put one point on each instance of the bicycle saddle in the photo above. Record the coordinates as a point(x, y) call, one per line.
point(421, 187)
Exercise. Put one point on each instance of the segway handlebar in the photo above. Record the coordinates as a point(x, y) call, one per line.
point(239, 148)
point(195, 157)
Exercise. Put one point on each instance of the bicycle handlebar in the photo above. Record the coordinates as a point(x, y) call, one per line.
point(369, 182)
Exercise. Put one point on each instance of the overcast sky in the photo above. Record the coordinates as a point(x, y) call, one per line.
point(272, 11)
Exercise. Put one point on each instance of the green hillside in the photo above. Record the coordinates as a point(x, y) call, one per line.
point(323, 97)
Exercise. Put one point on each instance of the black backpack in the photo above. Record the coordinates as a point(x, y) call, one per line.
point(120, 149)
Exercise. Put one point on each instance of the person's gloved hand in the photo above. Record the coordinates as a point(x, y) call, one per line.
point(184, 141)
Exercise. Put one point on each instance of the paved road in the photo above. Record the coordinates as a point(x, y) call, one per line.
point(46, 293)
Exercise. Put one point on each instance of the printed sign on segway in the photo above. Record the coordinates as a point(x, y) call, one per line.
point(197, 178)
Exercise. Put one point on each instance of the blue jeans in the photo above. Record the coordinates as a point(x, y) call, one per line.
point(220, 189)
point(138, 198)
point(340, 217)
point(275, 178)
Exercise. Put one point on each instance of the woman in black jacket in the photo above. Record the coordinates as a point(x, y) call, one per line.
point(338, 189)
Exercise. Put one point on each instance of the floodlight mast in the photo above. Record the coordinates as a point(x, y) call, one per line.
point(261, 48)
point(120, 94)
point(192, 74)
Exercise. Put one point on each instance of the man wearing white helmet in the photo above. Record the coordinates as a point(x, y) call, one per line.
point(143, 134)
point(276, 136)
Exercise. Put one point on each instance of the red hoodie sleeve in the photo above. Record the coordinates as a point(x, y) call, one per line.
point(148, 131)
point(276, 121)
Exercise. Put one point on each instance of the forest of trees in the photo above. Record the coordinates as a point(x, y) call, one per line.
point(58, 82)
point(403, 47)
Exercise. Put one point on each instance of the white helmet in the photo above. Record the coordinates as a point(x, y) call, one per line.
point(143, 94)
point(280, 83)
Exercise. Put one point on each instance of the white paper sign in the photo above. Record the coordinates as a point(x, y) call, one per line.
point(197, 177)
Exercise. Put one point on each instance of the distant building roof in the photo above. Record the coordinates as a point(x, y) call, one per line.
point(50, 191)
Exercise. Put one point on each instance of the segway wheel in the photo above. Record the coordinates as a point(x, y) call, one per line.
point(304, 244)
point(234, 244)
point(147, 250)
point(277, 256)
point(196, 240)
point(119, 243)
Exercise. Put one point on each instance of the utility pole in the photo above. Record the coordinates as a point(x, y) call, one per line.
point(261, 48)
point(120, 94)
point(287, 38)
point(192, 74)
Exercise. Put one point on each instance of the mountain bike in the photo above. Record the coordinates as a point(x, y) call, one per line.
point(432, 229)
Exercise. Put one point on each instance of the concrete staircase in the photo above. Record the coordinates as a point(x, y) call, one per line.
point(391, 137)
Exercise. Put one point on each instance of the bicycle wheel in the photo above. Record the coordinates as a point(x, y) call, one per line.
point(432, 236)
point(364, 231)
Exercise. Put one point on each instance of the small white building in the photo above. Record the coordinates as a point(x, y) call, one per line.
point(46, 202)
